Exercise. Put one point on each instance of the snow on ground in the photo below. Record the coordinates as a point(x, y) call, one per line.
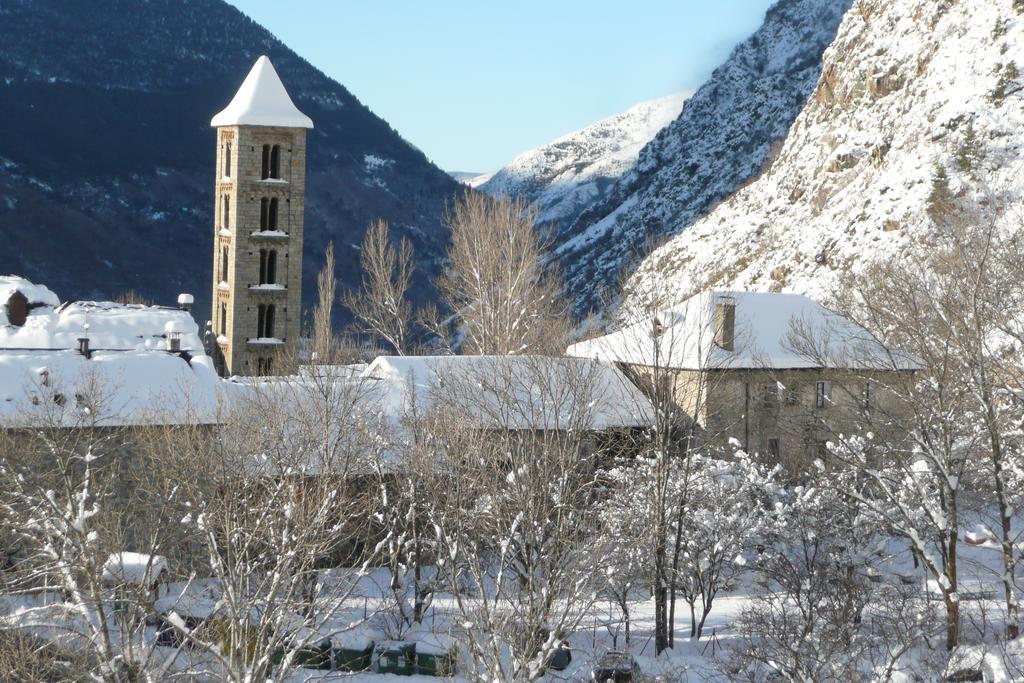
point(360, 619)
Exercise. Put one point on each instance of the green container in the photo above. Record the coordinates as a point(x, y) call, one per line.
point(346, 659)
point(310, 657)
point(435, 665)
point(396, 658)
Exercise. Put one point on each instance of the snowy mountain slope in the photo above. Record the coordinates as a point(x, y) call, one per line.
point(571, 173)
point(471, 178)
point(907, 85)
point(722, 138)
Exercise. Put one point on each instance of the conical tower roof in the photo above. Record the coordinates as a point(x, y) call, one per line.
point(262, 101)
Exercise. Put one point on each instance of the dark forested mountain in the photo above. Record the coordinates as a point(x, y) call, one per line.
point(107, 155)
point(721, 140)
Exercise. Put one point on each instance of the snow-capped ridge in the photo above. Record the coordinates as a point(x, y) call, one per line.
point(570, 173)
point(725, 135)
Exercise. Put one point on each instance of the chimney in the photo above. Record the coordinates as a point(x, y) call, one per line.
point(185, 302)
point(725, 323)
point(83, 342)
point(172, 331)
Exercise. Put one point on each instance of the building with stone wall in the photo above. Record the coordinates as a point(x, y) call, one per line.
point(777, 374)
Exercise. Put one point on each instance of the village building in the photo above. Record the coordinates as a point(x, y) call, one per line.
point(373, 410)
point(91, 379)
point(258, 225)
point(776, 374)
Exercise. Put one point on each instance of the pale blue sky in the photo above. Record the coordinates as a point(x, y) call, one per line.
point(472, 83)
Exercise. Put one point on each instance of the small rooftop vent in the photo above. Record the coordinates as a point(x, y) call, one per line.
point(83, 342)
point(173, 330)
point(185, 301)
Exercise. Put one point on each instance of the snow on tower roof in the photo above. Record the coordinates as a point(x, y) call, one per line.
point(262, 101)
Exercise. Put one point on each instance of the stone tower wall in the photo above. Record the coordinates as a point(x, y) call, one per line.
point(239, 289)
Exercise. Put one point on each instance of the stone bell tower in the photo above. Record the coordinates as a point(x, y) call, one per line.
point(257, 245)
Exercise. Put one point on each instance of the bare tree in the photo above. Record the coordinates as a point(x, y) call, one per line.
point(405, 470)
point(727, 509)
point(275, 500)
point(324, 341)
point(947, 305)
point(624, 576)
point(250, 514)
point(499, 282)
point(515, 525)
point(657, 343)
point(818, 615)
point(77, 499)
point(381, 305)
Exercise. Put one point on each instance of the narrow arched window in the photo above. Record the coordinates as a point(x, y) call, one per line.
point(224, 264)
point(261, 318)
point(272, 266)
point(265, 166)
point(264, 213)
point(275, 161)
point(227, 160)
point(263, 266)
point(225, 213)
point(272, 214)
point(223, 319)
point(268, 321)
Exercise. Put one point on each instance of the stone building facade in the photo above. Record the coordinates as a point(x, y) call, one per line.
point(789, 415)
point(258, 228)
point(776, 374)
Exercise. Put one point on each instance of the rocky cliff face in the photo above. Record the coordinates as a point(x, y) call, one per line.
point(567, 176)
point(909, 87)
point(722, 139)
point(106, 153)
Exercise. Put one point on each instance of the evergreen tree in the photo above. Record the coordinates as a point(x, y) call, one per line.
point(940, 200)
point(970, 153)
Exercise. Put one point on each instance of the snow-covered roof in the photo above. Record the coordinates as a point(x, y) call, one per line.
point(772, 331)
point(262, 101)
point(517, 392)
point(129, 377)
point(37, 295)
point(137, 568)
point(124, 326)
point(110, 388)
point(108, 325)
